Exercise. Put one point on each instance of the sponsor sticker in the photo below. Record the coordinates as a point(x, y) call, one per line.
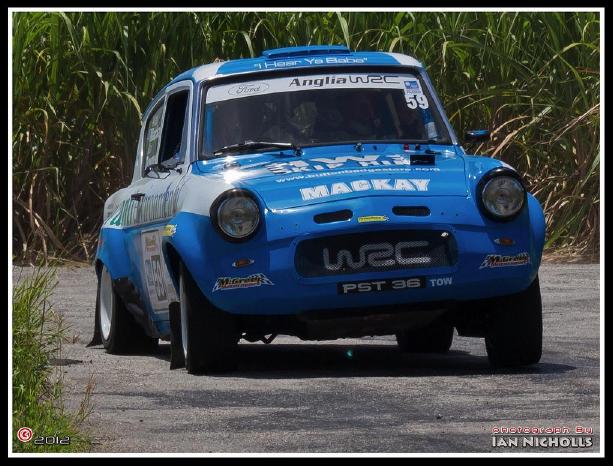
point(335, 189)
point(232, 283)
point(356, 171)
point(373, 218)
point(323, 164)
point(497, 260)
point(151, 243)
point(346, 81)
point(248, 88)
point(412, 86)
point(280, 64)
point(169, 230)
point(316, 81)
point(370, 286)
point(157, 280)
point(152, 207)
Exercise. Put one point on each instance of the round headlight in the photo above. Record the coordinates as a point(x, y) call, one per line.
point(503, 196)
point(237, 215)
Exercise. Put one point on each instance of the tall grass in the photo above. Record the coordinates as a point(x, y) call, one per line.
point(38, 333)
point(81, 80)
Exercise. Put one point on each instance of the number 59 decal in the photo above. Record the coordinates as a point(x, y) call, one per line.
point(416, 100)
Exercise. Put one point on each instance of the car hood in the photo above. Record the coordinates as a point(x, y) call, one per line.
point(284, 180)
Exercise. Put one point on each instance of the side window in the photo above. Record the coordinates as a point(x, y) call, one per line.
point(153, 136)
point(174, 136)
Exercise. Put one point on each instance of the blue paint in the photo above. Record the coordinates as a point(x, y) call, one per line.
point(287, 217)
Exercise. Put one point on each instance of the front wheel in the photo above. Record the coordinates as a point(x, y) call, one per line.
point(119, 332)
point(209, 336)
point(515, 332)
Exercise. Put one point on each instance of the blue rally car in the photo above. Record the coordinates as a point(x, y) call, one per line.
point(316, 192)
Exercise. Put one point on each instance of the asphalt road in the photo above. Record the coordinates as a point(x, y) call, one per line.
point(293, 396)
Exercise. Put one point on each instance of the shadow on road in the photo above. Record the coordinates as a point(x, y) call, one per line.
point(306, 360)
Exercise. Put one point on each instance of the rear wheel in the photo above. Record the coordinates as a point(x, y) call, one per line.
point(208, 335)
point(515, 332)
point(436, 338)
point(119, 331)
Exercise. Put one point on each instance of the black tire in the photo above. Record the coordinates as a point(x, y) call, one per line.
point(125, 335)
point(433, 339)
point(212, 336)
point(515, 331)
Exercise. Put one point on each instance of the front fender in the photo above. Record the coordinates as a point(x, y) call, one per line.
point(476, 167)
point(112, 252)
point(184, 241)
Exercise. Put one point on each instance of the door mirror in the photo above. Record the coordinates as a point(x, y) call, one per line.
point(154, 170)
point(477, 135)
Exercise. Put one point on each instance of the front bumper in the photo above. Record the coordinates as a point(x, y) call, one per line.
point(271, 285)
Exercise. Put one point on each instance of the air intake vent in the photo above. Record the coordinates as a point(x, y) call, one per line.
point(422, 159)
point(411, 211)
point(330, 217)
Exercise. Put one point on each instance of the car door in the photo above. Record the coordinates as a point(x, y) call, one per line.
point(165, 142)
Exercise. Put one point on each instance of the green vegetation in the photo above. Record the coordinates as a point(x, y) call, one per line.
point(38, 333)
point(81, 81)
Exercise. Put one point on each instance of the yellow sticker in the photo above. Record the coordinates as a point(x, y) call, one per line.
point(373, 218)
point(169, 230)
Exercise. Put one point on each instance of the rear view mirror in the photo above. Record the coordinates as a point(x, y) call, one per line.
point(477, 135)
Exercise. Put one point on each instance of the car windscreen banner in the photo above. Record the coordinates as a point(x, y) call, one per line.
point(410, 84)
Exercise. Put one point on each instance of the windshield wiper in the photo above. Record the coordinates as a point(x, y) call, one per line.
point(257, 145)
point(428, 150)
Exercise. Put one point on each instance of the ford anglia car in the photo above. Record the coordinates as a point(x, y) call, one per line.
point(316, 192)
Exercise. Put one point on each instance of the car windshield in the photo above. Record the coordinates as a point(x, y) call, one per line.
point(321, 109)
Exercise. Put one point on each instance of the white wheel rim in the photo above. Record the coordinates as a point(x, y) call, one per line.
point(183, 305)
point(107, 303)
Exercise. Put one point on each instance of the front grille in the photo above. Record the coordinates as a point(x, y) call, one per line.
point(375, 252)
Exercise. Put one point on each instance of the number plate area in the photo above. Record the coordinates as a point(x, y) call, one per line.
point(157, 280)
point(370, 286)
